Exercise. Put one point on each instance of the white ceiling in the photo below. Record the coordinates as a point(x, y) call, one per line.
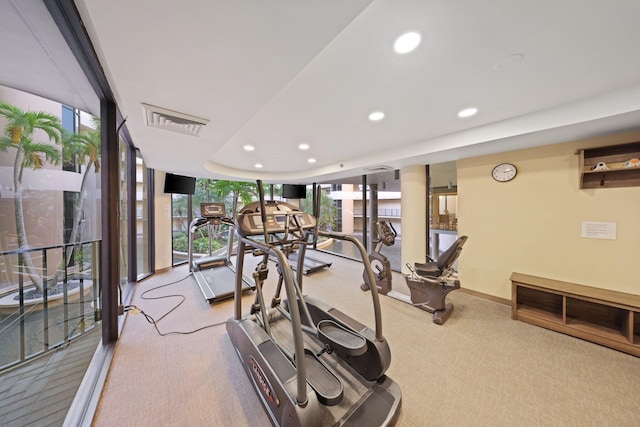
point(277, 73)
point(36, 58)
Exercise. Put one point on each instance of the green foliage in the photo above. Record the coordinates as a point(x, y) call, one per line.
point(18, 134)
point(328, 212)
point(200, 244)
point(84, 147)
point(22, 124)
point(228, 192)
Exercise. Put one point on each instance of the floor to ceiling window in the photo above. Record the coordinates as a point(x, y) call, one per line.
point(180, 218)
point(50, 216)
point(443, 207)
point(142, 210)
point(359, 203)
point(123, 259)
point(186, 207)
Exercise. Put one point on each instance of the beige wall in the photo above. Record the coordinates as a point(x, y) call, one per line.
point(532, 224)
point(347, 211)
point(162, 230)
point(414, 214)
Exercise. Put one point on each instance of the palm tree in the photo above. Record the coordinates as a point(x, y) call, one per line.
point(245, 192)
point(18, 134)
point(203, 189)
point(328, 211)
point(85, 149)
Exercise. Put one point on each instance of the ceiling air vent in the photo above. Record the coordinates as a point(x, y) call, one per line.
point(378, 168)
point(171, 120)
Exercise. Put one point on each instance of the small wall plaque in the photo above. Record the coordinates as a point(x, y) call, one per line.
point(599, 230)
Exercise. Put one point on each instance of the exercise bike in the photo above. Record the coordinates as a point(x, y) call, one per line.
point(429, 283)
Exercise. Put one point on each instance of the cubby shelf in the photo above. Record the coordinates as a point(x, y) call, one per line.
point(615, 157)
point(601, 316)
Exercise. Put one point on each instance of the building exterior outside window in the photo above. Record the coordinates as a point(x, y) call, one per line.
point(60, 201)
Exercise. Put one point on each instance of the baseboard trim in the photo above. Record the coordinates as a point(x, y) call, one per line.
point(482, 295)
point(165, 269)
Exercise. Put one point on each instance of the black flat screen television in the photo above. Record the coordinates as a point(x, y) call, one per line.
point(294, 191)
point(179, 184)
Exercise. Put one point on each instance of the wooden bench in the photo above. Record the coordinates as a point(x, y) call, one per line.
point(601, 316)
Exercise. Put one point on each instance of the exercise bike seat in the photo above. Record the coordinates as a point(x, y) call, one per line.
point(445, 261)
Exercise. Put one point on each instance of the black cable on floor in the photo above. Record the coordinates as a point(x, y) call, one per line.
point(137, 310)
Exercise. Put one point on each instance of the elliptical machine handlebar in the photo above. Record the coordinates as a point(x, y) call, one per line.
point(368, 271)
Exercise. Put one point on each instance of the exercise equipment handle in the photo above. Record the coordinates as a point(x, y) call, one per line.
point(368, 271)
point(263, 214)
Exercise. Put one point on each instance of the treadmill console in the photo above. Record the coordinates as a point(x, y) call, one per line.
point(212, 210)
point(280, 217)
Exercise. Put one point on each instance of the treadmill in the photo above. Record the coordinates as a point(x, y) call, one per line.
point(310, 364)
point(215, 275)
point(310, 265)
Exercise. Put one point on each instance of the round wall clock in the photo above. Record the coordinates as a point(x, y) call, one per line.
point(504, 172)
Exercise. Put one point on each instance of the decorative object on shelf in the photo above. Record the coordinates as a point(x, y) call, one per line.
point(504, 172)
point(600, 166)
point(622, 166)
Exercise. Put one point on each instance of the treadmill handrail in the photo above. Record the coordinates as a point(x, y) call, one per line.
point(198, 223)
point(377, 312)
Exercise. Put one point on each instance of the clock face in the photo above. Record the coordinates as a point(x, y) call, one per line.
point(504, 172)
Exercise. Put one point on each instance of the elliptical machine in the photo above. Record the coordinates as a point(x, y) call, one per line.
point(309, 363)
point(429, 283)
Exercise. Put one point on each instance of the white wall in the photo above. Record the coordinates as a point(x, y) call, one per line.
point(532, 224)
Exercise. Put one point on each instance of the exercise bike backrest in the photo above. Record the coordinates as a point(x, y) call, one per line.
point(448, 257)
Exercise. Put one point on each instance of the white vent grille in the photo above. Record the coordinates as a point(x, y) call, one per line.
point(171, 120)
point(378, 168)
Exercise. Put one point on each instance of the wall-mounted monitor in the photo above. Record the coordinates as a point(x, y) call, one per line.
point(294, 191)
point(179, 184)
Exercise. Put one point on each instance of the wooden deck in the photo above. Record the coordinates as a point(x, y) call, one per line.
point(40, 392)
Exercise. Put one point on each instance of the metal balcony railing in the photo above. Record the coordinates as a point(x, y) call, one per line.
point(33, 322)
point(382, 212)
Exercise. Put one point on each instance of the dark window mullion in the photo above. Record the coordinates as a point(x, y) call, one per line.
point(151, 220)
point(132, 223)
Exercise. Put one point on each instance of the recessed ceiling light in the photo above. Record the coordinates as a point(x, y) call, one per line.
point(311, 160)
point(407, 42)
point(249, 148)
point(258, 165)
point(467, 112)
point(303, 146)
point(376, 116)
